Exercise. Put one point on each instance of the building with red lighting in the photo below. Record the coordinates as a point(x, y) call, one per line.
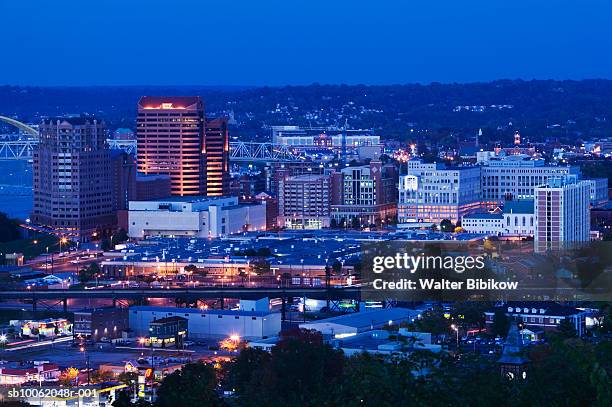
point(170, 133)
point(174, 138)
point(216, 157)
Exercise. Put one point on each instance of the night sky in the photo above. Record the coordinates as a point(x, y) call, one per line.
point(262, 42)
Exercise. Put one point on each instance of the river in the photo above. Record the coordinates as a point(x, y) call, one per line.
point(16, 188)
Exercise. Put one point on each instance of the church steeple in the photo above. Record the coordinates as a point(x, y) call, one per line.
point(513, 363)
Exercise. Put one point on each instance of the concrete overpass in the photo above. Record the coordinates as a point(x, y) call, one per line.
point(322, 293)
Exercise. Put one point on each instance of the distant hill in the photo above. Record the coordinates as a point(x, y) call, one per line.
point(540, 110)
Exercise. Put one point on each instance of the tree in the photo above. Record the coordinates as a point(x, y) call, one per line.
point(88, 273)
point(192, 386)
point(260, 266)
point(14, 403)
point(501, 323)
point(446, 225)
point(370, 380)
point(191, 268)
point(122, 399)
point(240, 371)
point(9, 229)
point(566, 329)
point(300, 371)
point(99, 376)
point(433, 321)
point(119, 237)
point(471, 312)
point(68, 376)
point(355, 223)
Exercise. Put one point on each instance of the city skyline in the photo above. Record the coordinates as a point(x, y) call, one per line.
point(305, 203)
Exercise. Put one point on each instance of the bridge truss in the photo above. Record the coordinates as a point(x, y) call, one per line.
point(17, 150)
point(240, 151)
point(262, 152)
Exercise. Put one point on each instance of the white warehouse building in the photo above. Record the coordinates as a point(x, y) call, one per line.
point(209, 323)
point(352, 324)
point(194, 217)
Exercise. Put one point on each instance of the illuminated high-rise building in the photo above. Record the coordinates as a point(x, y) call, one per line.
point(72, 177)
point(174, 138)
point(170, 132)
point(216, 157)
point(562, 213)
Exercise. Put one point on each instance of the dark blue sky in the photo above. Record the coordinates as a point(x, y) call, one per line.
point(274, 42)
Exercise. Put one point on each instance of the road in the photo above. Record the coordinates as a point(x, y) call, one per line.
point(38, 344)
point(186, 293)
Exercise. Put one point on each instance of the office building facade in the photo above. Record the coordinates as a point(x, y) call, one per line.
point(72, 185)
point(175, 138)
point(194, 217)
point(304, 201)
point(562, 211)
point(216, 157)
point(366, 195)
point(516, 177)
point(433, 192)
point(170, 133)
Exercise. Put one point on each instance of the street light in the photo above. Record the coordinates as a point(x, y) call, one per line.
point(63, 240)
point(456, 329)
point(86, 359)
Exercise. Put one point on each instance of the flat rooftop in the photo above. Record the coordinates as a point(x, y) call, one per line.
point(366, 319)
point(184, 311)
point(286, 247)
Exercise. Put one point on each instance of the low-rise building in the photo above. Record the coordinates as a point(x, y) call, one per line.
point(519, 218)
point(546, 316)
point(169, 331)
point(209, 323)
point(35, 372)
point(194, 217)
point(347, 325)
point(382, 342)
point(486, 223)
point(99, 323)
point(516, 219)
point(47, 328)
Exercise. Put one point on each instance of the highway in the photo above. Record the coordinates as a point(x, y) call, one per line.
point(321, 293)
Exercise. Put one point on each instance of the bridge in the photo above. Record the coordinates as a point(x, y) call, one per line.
point(333, 294)
point(336, 293)
point(21, 126)
point(262, 152)
point(240, 151)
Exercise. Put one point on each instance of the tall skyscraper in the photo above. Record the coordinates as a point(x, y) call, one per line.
point(170, 132)
point(174, 138)
point(72, 177)
point(216, 157)
point(562, 213)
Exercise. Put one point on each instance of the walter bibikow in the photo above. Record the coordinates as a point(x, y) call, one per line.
point(444, 284)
